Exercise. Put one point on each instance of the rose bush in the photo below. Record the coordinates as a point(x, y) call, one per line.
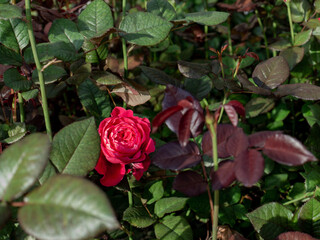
point(125, 145)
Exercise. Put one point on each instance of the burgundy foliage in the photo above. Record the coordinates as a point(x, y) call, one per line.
point(182, 114)
point(294, 236)
point(224, 176)
point(259, 138)
point(287, 150)
point(190, 183)
point(249, 166)
point(237, 143)
point(232, 114)
point(238, 107)
point(174, 157)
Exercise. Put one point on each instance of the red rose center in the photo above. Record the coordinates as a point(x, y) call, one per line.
point(124, 135)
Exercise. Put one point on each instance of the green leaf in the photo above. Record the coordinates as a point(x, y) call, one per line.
point(79, 73)
point(173, 227)
point(161, 8)
point(169, 205)
point(31, 94)
point(93, 99)
point(309, 217)
point(67, 207)
point(144, 29)
point(95, 20)
point(293, 56)
point(94, 54)
point(300, 9)
point(21, 164)
point(270, 220)
point(317, 5)
point(7, 36)
point(106, 78)
point(10, 11)
point(208, 18)
point(9, 57)
point(259, 105)
point(76, 148)
point(66, 31)
point(13, 79)
point(51, 74)
point(272, 72)
point(311, 113)
point(138, 217)
point(302, 37)
point(48, 172)
point(199, 88)
point(280, 45)
point(47, 51)
point(154, 192)
point(312, 177)
point(15, 133)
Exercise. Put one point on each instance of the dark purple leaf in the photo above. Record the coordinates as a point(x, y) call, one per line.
point(249, 166)
point(174, 157)
point(237, 143)
point(190, 183)
point(163, 116)
point(186, 103)
point(232, 114)
point(287, 150)
point(303, 91)
point(157, 76)
point(272, 72)
point(258, 139)
point(184, 127)
point(294, 236)
point(197, 123)
point(224, 131)
point(293, 55)
point(238, 107)
point(224, 176)
point(172, 96)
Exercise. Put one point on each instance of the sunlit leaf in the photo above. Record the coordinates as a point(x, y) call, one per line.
point(95, 20)
point(76, 148)
point(8, 11)
point(309, 217)
point(161, 8)
point(270, 220)
point(21, 164)
point(144, 29)
point(173, 227)
point(303, 91)
point(272, 72)
point(287, 150)
point(208, 18)
point(249, 166)
point(302, 37)
point(70, 203)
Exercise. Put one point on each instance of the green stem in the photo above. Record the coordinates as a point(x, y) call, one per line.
point(222, 108)
point(21, 108)
point(39, 67)
point(263, 32)
point(274, 27)
point(290, 21)
point(216, 192)
point(124, 44)
point(305, 196)
point(115, 13)
point(206, 31)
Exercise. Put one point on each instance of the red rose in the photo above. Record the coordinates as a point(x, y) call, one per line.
point(125, 145)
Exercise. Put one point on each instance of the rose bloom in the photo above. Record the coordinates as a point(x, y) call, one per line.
point(125, 145)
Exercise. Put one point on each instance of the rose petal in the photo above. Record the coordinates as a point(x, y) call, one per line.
point(139, 168)
point(113, 175)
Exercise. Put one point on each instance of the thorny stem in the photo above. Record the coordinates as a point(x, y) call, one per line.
point(124, 44)
point(39, 67)
point(21, 109)
point(263, 32)
point(290, 20)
